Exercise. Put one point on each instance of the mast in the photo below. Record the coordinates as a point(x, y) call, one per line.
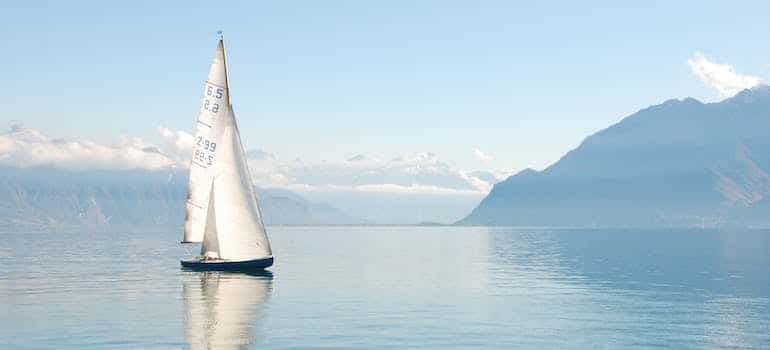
point(227, 76)
point(221, 43)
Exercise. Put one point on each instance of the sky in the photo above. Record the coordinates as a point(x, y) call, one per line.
point(492, 85)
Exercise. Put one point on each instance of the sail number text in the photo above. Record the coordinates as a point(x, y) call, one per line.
point(211, 99)
point(204, 152)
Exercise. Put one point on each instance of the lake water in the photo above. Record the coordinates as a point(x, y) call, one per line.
point(393, 287)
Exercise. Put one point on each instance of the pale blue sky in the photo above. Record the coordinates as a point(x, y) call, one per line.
point(523, 81)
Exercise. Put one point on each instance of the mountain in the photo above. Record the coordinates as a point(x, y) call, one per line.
point(680, 163)
point(284, 207)
point(42, 198)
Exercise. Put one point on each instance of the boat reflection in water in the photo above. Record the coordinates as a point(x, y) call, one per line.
point(222, 309)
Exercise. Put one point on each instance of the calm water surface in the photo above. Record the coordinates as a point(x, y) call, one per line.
point(393, 287)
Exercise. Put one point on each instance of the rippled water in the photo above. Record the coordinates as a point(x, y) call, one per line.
point(393, 287)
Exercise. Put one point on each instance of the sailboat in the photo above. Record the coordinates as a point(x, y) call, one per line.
point(222, 212)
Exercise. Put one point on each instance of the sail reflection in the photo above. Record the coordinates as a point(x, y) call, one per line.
point(222, 309)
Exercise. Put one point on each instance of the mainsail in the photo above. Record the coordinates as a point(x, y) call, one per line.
point(215, 106)
point(222, 209)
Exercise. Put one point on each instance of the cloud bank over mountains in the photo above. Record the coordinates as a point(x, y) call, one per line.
point(721, 76)
point(419, 173)
point(25, 148)
point(410, 173)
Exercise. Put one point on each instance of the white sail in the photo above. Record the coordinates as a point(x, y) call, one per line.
point(221, 309)
point(229, 222)
point(235, 230)
point(215, 106)
point(211, 240)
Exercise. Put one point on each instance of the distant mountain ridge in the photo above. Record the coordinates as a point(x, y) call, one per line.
point(43, 198)
point(680, 163)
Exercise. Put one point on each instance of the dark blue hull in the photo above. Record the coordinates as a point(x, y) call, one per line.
point(224, 265)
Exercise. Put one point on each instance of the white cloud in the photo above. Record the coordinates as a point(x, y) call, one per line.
point(179, 143)
point(720, 76)
point(384, 188)
point(482, 157)
point(23, 147)
point(416, 173)
point(408, 173)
